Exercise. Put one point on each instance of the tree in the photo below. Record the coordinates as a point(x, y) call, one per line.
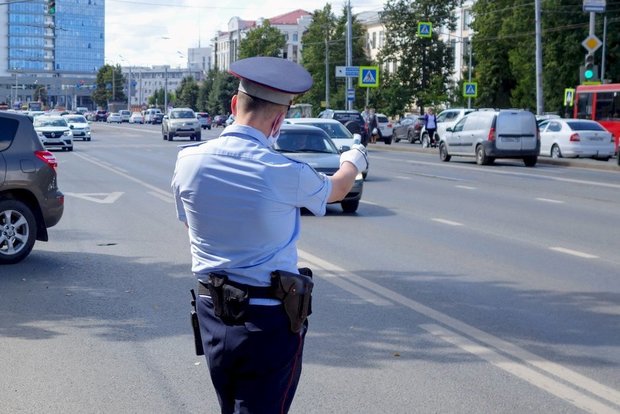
point(187, 93)
point(224, 87)
point(203, 92)
point(110, 81)
point(40, 94)
point(264, 40)
point(326, 35)
point(423, 65)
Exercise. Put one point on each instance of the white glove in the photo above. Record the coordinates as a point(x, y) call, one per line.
point(356, 156)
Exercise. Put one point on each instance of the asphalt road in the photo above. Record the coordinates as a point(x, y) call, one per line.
point(454, 288)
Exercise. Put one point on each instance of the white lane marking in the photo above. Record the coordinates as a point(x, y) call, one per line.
point(117, 171)
point(101, 198)
point(565, 374)
point(465, 187)
point(167, 198)
point(369, 203)
point(549, 200)
point(513, 173)
point(526, 373)
point(402, 177)
point(448, 222)
point(574, 252)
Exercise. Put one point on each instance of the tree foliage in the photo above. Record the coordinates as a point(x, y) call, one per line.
point(110, 83)
point(224, 87)
point(264, 40)
point(187, 93)
point(326, 35)
point(504, 50)
point(423, 65)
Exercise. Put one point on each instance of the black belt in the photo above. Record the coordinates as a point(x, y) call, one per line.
point(254, 292)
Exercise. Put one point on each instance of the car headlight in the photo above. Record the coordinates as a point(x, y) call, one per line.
point(67, 133)
point(359, 177)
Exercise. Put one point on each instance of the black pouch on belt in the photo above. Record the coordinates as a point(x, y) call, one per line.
point(230, 302)
point(195, 326)
point(295, 292)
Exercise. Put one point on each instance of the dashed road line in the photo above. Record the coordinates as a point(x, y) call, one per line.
point(448, 222)
point(574, 252)
point(549, 200)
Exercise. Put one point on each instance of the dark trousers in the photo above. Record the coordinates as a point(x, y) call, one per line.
point(255, 367)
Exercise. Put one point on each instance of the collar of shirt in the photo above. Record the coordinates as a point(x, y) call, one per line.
point(252, 132)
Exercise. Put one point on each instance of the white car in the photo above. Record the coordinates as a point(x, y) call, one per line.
point(340, 135)
point(80, 127)
point(386, 127)
point(54, 132)
point(575, 138)
point(446, 119)
point(136, 118)
point(114, 117)
point(125, 115)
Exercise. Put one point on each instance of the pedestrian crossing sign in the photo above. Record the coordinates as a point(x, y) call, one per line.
point(470, 89)
point(369, 77)
point(569, 96)
point(425, 29)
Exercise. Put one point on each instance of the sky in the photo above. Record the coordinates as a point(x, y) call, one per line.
point(159, 32)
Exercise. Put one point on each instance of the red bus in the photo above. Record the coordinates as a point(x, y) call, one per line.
point(600, 103)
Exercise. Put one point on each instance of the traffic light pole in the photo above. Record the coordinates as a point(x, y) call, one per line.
point(540, 105)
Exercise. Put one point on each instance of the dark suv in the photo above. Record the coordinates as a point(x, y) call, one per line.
point(101, 115)
point(352, 120)
point(30, 200)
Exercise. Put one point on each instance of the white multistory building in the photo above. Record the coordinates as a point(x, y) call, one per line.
point(292, 25)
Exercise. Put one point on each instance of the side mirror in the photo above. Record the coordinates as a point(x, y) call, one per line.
point(71, 126)
point(357, 139)
point(449, 129)
point(345, 148)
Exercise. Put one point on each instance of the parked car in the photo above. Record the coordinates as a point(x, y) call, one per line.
point(114, 117)
point(125, 115)
point(408, 128)
point(352, 120)
point(79, 126)
point(341, 136)
point(487, 135)
point(101, 115)
point(30, 200)
point(313, 146)
point(153, 116)
point(446, 119)
point(136, 118)
point(386, 127)
point(219, 120)
point(54, 132)
point(230, 120)
point(82, 110)
point(579, 138)
point(205, 120)
point(181, 122)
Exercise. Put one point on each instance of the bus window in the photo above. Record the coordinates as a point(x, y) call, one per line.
point(584, 106)
point(607, 105)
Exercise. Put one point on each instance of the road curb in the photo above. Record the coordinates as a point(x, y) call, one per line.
point(592, 164)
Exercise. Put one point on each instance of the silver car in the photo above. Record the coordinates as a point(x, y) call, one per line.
point(313, 146)
point(80, 127)
point(181, 122)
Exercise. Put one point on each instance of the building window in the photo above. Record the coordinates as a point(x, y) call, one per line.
point(467, 19)
point(295, 37)
point(381, 38)
point(374, 40)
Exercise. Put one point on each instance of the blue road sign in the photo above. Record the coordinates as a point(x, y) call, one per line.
point(368, 77)
point(470, 89)
point(425, 29)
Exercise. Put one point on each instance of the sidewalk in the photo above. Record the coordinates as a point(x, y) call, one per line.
point(611, 165)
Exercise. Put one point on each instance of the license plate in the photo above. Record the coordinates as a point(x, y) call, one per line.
point(510, 139)
point(596, 139)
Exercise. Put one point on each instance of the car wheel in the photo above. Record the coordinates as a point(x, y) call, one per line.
point(198, 137)
point(555, 151)
point(443, 153)
point(364, 175)
point(88, 139)
point(387, 141)
point(170, 136)
point(481, 156)
point(530, 161)
point(164, 134)
point(426, 142)
point(17, 231)
point(209, 127)
point(410, 138)
point(350, 206)
point(69, 148)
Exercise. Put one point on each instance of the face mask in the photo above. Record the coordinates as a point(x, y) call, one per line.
point(275, 130)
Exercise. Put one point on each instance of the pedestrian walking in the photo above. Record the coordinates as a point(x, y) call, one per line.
point(373, 127)
point(430, 124)
point(240, 201)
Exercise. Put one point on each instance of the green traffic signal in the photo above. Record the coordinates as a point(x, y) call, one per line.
point(588, 74)
point(51, 6)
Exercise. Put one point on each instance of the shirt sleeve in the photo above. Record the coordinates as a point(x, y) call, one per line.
point(176, 194)
point(313, 190)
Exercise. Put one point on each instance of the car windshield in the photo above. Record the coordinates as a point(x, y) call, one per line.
point(304, 141)
point(182, 114)
point(76, 119)
point(584, 126)
point(343, 116)
point(42, 122)
point(335, 130)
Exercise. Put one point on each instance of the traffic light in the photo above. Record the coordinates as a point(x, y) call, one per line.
point(51, 6)
point(589, 71)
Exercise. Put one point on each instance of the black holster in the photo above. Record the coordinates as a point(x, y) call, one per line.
point(295, 292)
point(196, 326)
point(230, 300)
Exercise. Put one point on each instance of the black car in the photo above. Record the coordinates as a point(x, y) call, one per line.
point(409, 128)
point(101, 115)
point(30, 201)
point(352, 120)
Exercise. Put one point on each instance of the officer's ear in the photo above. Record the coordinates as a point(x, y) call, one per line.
point(233, 105)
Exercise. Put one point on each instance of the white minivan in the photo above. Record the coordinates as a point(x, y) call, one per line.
point(490, 134)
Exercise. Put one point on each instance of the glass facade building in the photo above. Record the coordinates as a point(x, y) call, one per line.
point(70, 41)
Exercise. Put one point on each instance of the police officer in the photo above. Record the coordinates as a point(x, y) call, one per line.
point(240, 201)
